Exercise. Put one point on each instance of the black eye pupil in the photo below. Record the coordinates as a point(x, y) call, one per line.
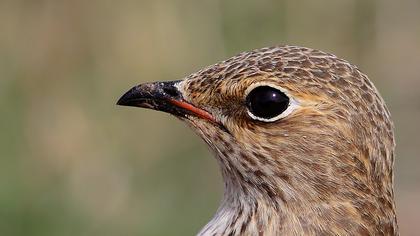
point(267, 102)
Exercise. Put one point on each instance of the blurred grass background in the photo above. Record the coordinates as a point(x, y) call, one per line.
point(73, 163)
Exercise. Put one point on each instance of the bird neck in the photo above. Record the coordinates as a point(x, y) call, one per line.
point(302, 192)
point(255, 205)
point(244, 210)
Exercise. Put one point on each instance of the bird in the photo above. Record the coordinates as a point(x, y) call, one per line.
point(303, 139)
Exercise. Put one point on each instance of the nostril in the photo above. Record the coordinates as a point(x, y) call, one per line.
point(171, 91)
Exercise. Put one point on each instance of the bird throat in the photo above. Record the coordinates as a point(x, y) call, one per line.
point(248, 207)
point(243, 212)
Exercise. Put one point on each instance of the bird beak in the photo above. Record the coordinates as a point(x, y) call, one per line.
point(162, 96)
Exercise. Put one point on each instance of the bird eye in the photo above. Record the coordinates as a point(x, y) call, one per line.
point(266, 103)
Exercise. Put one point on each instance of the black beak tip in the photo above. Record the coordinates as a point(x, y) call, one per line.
point(129, 98)
point(121, 102)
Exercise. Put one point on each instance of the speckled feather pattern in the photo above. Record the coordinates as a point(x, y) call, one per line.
point(325, 169)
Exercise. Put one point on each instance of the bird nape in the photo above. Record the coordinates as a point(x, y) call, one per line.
point(304, 141)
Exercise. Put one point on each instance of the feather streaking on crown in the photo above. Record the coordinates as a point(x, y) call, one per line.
point(304, 141)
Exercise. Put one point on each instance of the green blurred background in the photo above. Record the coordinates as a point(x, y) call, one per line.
point(73, 163)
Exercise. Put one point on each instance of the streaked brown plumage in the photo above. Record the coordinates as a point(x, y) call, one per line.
point(324, 167)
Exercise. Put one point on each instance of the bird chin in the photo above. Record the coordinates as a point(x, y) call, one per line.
point(191, 119)
point(201, 124)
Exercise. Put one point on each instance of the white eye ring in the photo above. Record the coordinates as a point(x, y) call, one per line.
point(293, 104)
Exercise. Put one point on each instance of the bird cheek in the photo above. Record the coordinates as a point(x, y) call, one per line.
point(234, 129)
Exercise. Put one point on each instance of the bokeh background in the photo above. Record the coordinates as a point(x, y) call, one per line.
point(73, 163)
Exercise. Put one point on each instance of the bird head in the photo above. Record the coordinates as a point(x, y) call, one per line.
point(287, 124)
